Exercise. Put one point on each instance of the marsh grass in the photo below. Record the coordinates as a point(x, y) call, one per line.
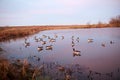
point(7, 33)
point(20, 70)
point(15, 32)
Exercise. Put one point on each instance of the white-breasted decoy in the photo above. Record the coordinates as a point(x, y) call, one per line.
point(49, 47)
point(52, 40)
point(76, 52)
point(40, 48)
point(90, 40)
point(43, 42)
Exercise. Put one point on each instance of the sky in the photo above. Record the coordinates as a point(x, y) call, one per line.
point(57, 12)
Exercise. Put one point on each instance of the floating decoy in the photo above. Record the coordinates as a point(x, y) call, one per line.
point(48, 37)
point(90, 40)
point(44, 36)
point(36, 39)
point(40, 39)
point(27, 44)
point(77, 39)
point(76, 52)
point(103, 45)
point(43, 42)
point(72, 38)
point(40, 48)
point(62, 37)
point(73, 44)
point(111, 42)
point(38, 59)
point(56, 35)
point(52, 40)
point(49, 47)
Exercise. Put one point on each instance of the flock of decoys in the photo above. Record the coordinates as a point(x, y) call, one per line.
point(68, 72)
point(53, 39)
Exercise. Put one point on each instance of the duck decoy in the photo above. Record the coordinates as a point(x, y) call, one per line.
point(76, 52)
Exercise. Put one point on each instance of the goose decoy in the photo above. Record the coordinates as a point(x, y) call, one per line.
point(44, 36)
point(55, 35)
point(43, 42)
point(40, 48)
point(36, 39)
point(77, 39)
point(103, 45)
point(48, 37)
point(111, 42)
point(73, 44)
point(52, 40)
point(90, 40)
point(49, 47)
point(27, 44)
point(62, 37)
point(72, 38)
point(76, 52)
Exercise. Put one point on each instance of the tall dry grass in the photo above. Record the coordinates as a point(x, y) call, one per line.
point(7, 33)
point(18, 70)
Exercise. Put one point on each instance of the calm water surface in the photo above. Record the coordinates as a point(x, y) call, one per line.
point(99, 55)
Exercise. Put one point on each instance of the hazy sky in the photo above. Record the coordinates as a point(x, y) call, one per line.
point(51, 12)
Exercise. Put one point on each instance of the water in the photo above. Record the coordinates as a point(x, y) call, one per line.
point(102, 55)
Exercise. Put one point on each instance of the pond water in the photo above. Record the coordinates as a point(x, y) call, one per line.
point(99, 48)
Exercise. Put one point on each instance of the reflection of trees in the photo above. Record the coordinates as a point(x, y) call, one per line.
point(115, 22)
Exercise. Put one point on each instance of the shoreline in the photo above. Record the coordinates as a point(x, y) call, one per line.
point(7, 33)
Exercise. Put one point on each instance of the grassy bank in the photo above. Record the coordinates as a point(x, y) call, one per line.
point(7, 33)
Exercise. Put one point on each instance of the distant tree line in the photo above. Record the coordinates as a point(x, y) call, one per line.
point(115, 22)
